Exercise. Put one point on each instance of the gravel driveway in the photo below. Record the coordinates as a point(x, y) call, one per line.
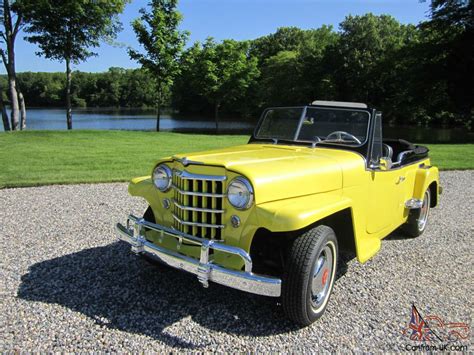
point(67, 284)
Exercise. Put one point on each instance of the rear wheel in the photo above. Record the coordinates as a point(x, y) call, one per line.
point(309, 276)
point(418, 218)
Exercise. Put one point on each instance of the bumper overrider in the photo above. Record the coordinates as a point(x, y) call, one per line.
point(204, 269)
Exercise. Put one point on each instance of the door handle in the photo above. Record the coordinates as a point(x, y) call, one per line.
point(401, 179)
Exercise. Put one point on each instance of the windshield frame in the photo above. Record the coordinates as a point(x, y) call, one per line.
point(368, 111)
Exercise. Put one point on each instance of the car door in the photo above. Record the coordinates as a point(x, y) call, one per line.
point(383, 185)
point(384, 199)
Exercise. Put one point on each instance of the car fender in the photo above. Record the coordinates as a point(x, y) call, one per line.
point(300, 212)
point(297, 213)
point(143, 187)
point(425, 176)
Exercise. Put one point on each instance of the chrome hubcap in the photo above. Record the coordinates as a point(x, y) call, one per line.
point(425, 209)
point(322, 276)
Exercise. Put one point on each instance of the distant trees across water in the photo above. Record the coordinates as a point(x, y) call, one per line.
point(116, 87)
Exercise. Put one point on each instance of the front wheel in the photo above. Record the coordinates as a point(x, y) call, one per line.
point(309, 276)
point(150, 217)
point(418, 218)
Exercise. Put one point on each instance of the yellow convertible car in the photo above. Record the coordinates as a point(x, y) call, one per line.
point(271, 216)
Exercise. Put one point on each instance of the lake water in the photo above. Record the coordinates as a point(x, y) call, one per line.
point(128, 119)
point(145, 120)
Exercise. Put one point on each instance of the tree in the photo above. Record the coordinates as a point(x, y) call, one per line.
point(449, 49)
point(116, 87)
point(157, 32)
point(137, 90)
point(281, 80)
point(187, 91)
point(109, 87)
point(8, 34)
point(66, 30)
point(284, 39)
point(447, 13)
point(299, 75)
point(365, 60)
point(6, 124)
point(317, 80)
point(225, 72)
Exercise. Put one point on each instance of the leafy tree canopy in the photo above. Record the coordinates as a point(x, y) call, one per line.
point(219, 73)
point(70, 28)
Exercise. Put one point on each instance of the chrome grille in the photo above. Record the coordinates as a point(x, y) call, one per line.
point(198, 204)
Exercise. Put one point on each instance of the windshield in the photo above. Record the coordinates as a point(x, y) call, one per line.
point(315, 124)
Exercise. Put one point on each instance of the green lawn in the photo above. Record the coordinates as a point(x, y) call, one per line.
point(48, 157)
point(452, 156)
point(57, 157)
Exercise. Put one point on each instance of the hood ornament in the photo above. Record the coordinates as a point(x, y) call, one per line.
point(185, 161)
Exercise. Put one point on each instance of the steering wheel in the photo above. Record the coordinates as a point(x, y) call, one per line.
point(340, 134)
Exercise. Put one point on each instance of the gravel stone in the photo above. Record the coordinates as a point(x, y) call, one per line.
point(69, 285)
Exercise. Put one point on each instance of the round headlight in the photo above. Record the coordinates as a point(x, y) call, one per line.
point(240, 193)
point(162, 177)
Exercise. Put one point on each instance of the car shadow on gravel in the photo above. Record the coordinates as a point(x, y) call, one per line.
point(397, 234)
point(121, 291)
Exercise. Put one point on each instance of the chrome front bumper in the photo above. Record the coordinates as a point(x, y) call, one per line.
point(205, 270)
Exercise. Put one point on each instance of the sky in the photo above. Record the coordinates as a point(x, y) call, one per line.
point(221, 19)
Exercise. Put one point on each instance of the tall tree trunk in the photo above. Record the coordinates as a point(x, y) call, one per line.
point(216, 115)
point(158, 114)
point(158, 110)
point(9, 33)
point(15, 113)
point(68, 94)
point(22, 110)
point(6, 123)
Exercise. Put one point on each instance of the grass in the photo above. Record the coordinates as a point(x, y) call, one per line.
point(452, 156)
point(33, 158)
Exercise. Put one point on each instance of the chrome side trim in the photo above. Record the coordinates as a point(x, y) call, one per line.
point(190, 176)
point(413, 203)
point(197, 209)
point(203, 268)
point(203, 194)
point(197, 224)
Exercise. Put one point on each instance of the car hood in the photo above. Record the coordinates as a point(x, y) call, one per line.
point(279, 171)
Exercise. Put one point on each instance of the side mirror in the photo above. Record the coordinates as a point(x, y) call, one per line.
point(383, 164)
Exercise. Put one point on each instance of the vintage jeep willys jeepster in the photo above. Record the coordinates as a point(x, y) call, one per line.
point(270, 217)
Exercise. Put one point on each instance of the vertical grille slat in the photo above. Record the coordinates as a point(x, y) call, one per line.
point(204, 214)
point(194, 204)
point(218, 206)
point(213, 204)
point(198, 199)
point(185, 214)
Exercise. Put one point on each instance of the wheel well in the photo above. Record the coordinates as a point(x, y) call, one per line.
point(434, 194)
point(341, 223)
point(269, 249)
